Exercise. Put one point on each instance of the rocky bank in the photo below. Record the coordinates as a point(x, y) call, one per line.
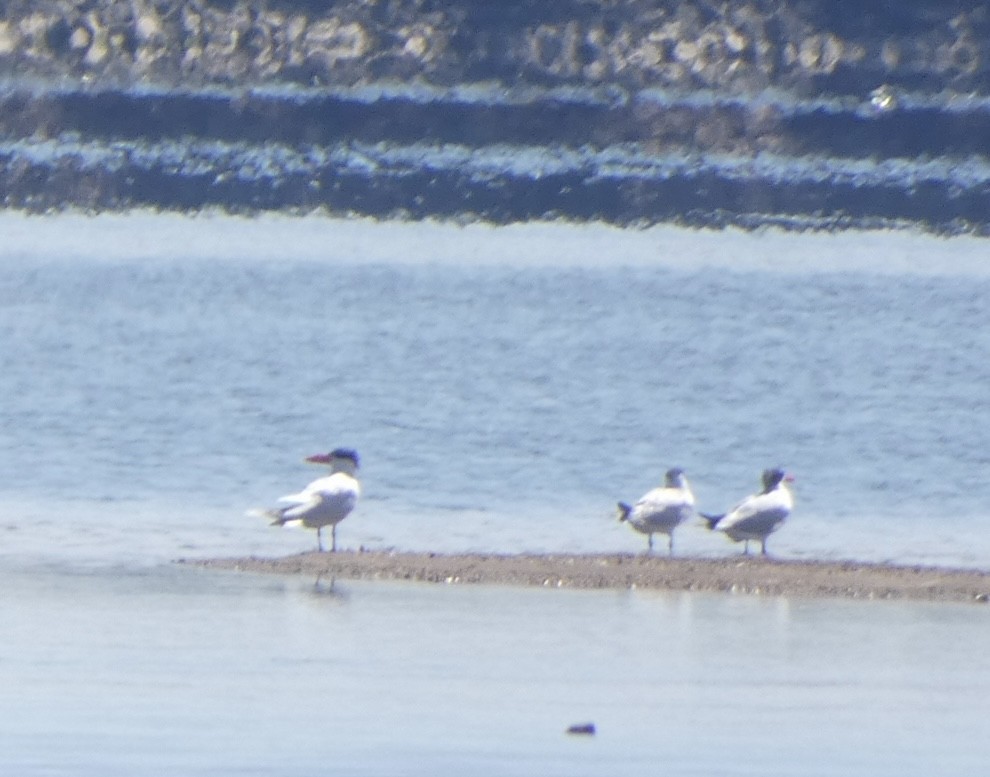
point(267, 104)
point(813, 46)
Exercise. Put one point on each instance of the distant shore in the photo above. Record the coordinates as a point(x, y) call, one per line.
point(765, 113)
point(737, 574)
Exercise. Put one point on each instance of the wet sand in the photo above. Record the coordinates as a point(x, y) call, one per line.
point(739, 574)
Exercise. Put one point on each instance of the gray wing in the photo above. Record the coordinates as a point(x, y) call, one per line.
point(758, 514)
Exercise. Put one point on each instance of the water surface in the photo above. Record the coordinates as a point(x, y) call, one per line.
point(505, 386)
point(185, 672)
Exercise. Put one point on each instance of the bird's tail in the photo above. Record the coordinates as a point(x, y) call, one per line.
point(277, 517)
point(711, 521)
point(622, 511)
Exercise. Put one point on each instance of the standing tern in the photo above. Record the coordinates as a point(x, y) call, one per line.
point(758, 515)
point(324, 502)
point(662, 509)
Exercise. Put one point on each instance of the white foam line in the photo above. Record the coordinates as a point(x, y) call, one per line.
point(148, 236)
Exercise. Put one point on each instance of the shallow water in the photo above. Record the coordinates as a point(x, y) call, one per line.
point(505, 387)
point(186, 672)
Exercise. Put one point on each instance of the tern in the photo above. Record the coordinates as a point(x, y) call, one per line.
point(757, 516)
point(324, 502)
point(661, 510)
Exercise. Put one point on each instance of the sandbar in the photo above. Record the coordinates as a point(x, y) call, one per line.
point(739, 574)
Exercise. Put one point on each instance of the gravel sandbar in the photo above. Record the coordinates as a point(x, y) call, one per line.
point(752, 575)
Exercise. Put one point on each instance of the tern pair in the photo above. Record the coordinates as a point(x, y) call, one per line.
point(756, 517)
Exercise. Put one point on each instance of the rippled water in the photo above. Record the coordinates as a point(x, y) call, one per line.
point(505, 386)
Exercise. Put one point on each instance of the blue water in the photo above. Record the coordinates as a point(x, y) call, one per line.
point(505, 386)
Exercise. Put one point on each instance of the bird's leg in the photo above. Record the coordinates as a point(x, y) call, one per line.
point(649, 541)
point(319, 538)
point(670, 544)
point(763, 547)
point(318, 587)
point(745, 547)
point(333, 538)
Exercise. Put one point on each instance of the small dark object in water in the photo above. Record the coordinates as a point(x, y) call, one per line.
point(587, 729)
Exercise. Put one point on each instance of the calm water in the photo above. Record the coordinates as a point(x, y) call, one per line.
point(173, 672)
point(161, 375)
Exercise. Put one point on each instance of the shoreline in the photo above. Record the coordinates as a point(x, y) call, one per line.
point(739, 574)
